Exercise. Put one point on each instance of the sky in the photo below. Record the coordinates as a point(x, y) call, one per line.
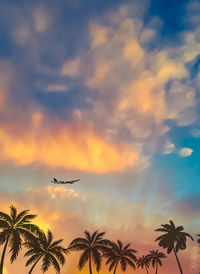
point(108, 92)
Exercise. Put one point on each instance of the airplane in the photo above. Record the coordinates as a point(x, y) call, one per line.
point(55, 181)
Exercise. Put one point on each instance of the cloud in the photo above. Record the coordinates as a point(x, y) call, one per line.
point(168, 147)
point(71, 68)
point(127, 90)
point(69, 146)
point(41, 19)
point(185, 152)
point(99, 35)
point(195, 133)
point(57, 88)
point(181, 102)
point(128, 83)
point(62, 192)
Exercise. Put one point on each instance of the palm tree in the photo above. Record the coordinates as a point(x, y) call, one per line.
point(173, 239)
point(155, 256)
point(43, 247)
point(118, 254)
point(13, 227)
point(92, 246)
point(198, 241)
point(144, 262)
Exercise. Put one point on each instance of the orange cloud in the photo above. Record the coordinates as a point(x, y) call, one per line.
point(69, 147)
point(133, 52)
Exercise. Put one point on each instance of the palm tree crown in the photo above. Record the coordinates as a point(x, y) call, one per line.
point(144, 262)
point(119, 254)
point(92, 247)
point(155, 256)
point(14, 227)
point(174, 237)
point(43, 247)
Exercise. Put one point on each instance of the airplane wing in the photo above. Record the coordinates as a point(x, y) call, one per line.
point(73, 181)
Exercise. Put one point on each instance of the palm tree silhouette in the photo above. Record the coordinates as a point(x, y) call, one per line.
point(15, 226)
point(155, 256)
point(198, 241)
point(144, 262)
point(117, 254)
point(93, 246)
point(173, 239)
point(43, 247)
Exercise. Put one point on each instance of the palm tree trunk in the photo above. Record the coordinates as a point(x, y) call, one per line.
point(156, 268)
point(90, 264)
point(115, 268)
point(147, 270)
point(3, 256)
point(181, 271)
point(34, 265)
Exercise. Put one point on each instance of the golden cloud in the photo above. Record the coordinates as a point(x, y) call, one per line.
point(69, 147)
point(133, 52)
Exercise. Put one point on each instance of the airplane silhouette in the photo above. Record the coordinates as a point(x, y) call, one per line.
point(55, 181)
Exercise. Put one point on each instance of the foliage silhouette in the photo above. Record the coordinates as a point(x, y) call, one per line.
point(173, 239)
point(144, 262)
point(198, 241)
point(14, 227)
point(43, 247)
point(117, 254)
point(155, 256)
point(93, 246)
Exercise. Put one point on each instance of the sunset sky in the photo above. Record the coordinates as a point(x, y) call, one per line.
point(106, 91)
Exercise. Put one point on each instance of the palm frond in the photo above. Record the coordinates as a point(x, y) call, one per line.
point(78, 241)
point(119, 245)
point(93, 237)
point(112, 265)
point(123, 264)
point(45, 263)
point(59, 256)
point(4, 235)
point(130, 262)
point(83, 259)
point(6, 217)
point(3, 224)
point(54, 263)
point(13, 213)
point(100, 235)
point(32, 259)
point(15, 243)
point(96, 257)
point(32, 252)
point(87, 235)
point(77, 247)
point(26, 219)
point(55, 243)
point(34, 229)
point(21, 215)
